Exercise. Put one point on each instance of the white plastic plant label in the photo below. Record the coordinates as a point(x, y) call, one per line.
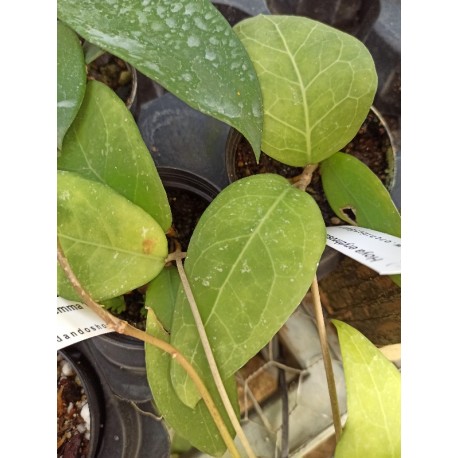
point(77, 322)
point(376, 250)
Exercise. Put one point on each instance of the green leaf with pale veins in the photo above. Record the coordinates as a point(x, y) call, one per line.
point(186, 46)
point(357, 196)
point(195, 425)
point(71, 79)
point(250, 262)
point(105, 145)
point(112, 245)
point(317, 83)
point(373, 427)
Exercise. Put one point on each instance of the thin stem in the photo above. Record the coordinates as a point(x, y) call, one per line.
point(211, 360)
point(326, 359)
point(303, 180)
point(123, 327)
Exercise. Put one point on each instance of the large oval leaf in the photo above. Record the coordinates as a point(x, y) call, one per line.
point(71, 79)
point(104, 144)
point(189, 48)
point(195, 425)
point(112, 245)
point(317, 83)
point(250, 261)
point(373, 427)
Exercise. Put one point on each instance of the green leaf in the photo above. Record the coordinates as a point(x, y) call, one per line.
point(91, 52)
point(350, 185)
point(317, 83)
point(112, 245)
point(105, 145)
point(161, 295)
point(250, 261)
point(189, 48)
point(373, 427)
point(115, 305)
point(71, 79)
point(195, 425)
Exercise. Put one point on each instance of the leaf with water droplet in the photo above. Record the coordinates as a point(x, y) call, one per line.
point(373, 427)
point(105, 145)
point(250, 261)
point(112, 245)
point(317, 83)
point(187, 47)
point(71, 79)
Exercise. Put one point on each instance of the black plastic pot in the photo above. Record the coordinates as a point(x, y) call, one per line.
point(183, 138)
point(355, 17)
point(236, 10)
point(129, 429)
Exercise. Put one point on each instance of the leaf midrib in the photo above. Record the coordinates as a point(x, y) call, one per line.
point(111, 248)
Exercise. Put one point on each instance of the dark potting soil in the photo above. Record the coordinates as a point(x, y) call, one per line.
point(72, 429)
point(187, 207)
point(370, 146)
point(113, 72)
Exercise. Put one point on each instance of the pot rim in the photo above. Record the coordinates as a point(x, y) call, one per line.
point(92, 389)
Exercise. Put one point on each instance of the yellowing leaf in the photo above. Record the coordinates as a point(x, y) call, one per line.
point(112, 245)
point(373, 427)
point(317, 84)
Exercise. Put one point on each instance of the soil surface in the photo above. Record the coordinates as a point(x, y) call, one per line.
point(113, 72)
point(371, 146)
point(73, 430)
point(187, 208)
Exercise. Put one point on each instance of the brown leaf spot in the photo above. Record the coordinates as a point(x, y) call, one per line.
point(148, 246)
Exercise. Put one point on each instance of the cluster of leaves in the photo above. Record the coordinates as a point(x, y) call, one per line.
point(298, 88)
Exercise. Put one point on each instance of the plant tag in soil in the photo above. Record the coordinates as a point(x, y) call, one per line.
point(76, 322)
point(376, 250)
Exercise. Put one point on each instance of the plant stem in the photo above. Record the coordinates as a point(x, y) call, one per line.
point(211, 360)
point(326, 359)
point(303, 180)
point(122, 327)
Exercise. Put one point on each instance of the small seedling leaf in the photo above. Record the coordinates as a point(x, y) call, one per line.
point(373, 427)
point(112, 245)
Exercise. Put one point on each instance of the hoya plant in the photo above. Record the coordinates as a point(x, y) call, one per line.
point(254, 253)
